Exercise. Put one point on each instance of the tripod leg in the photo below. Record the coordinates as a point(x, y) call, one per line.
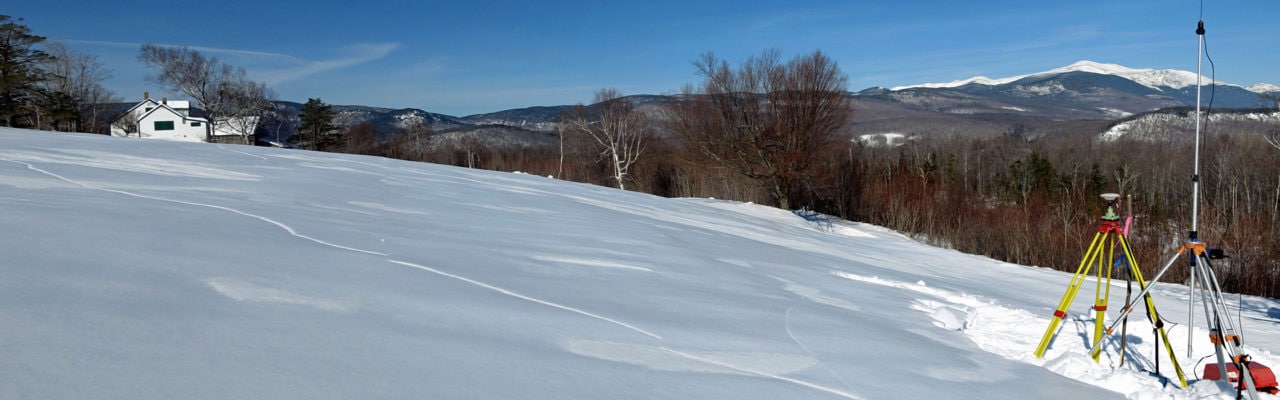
point(1152, 314)
point(1210, 313)
point(1101, 296)
point(1077, 280)
point(1168, 347)
point(1191, 304)
point(1227, 338)
point(1124, 326)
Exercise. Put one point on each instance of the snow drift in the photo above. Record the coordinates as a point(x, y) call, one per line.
point(159, 270)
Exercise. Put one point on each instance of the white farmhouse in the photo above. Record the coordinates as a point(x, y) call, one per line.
point(172, 120)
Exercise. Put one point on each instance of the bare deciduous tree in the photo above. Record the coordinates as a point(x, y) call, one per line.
point(412, 143)
point(276, 117)
point(361, 138)
point(222, 91)
point(77, 79)
point(246, 103)
point(765, 120)
point(1272, 100)
point(619, 132)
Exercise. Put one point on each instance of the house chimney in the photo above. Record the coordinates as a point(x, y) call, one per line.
point(146, 95)
point(164, 100)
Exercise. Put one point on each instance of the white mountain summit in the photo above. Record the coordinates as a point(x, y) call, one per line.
point(1154, 78)
point(1264, 88)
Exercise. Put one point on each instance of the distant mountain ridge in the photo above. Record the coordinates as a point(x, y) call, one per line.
point(1046, 101)
point(1153, 78)
point(1083, 90)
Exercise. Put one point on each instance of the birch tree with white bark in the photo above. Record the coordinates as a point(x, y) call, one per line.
point(618, 131)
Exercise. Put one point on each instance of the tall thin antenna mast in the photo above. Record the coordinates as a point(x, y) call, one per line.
point(1195, 179)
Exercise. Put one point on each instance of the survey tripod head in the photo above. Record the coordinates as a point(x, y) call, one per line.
point(1110, 199)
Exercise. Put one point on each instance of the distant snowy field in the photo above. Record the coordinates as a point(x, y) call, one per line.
point(162, 270)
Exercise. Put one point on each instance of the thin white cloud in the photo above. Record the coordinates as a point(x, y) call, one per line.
point(214, 50)
point(349, 56)
point(283, 67)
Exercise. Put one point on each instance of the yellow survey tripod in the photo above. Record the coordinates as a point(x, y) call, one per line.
point(1102, 254)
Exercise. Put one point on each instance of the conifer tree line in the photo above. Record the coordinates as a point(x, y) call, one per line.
point(46, 85)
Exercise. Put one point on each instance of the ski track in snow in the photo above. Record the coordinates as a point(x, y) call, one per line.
point(241, 152)
point(295, 233)
point(383, 207)
point(128, 163)
point(816, 296)
point(526, 298)
point(279, 224)
point(786, 323)
point(665, 358)
point(589, 262)
point(763, 374)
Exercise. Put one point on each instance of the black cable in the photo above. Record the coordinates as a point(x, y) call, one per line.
point(1200, 361)
point(1213, 79)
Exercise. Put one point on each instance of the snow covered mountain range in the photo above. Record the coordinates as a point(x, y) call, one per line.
point(1153, 78)
point(1083, 90)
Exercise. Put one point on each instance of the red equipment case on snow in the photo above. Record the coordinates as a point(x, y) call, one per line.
point(1263, 378)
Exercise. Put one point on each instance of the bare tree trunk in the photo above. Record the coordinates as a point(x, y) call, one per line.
point(619, 132)
point(560, 166)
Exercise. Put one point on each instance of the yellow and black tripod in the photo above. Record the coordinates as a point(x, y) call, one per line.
point(1102, 255)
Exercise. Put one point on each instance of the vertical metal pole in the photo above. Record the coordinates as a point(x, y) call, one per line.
point(1195, 190)
point(1195, 179)
point(1191, 302)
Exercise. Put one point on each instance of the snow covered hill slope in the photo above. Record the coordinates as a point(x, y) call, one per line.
point(157, 270)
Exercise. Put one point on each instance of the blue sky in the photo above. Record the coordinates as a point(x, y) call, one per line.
point(468, 57)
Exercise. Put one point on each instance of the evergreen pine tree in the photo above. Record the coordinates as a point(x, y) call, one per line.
point(315, 124)
point(19, 71)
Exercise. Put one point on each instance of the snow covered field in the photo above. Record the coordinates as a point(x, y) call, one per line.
point(161, 270)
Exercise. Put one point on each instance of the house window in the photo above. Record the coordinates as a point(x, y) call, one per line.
point(148, 109)
point(196, 123)
point(164, 125)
